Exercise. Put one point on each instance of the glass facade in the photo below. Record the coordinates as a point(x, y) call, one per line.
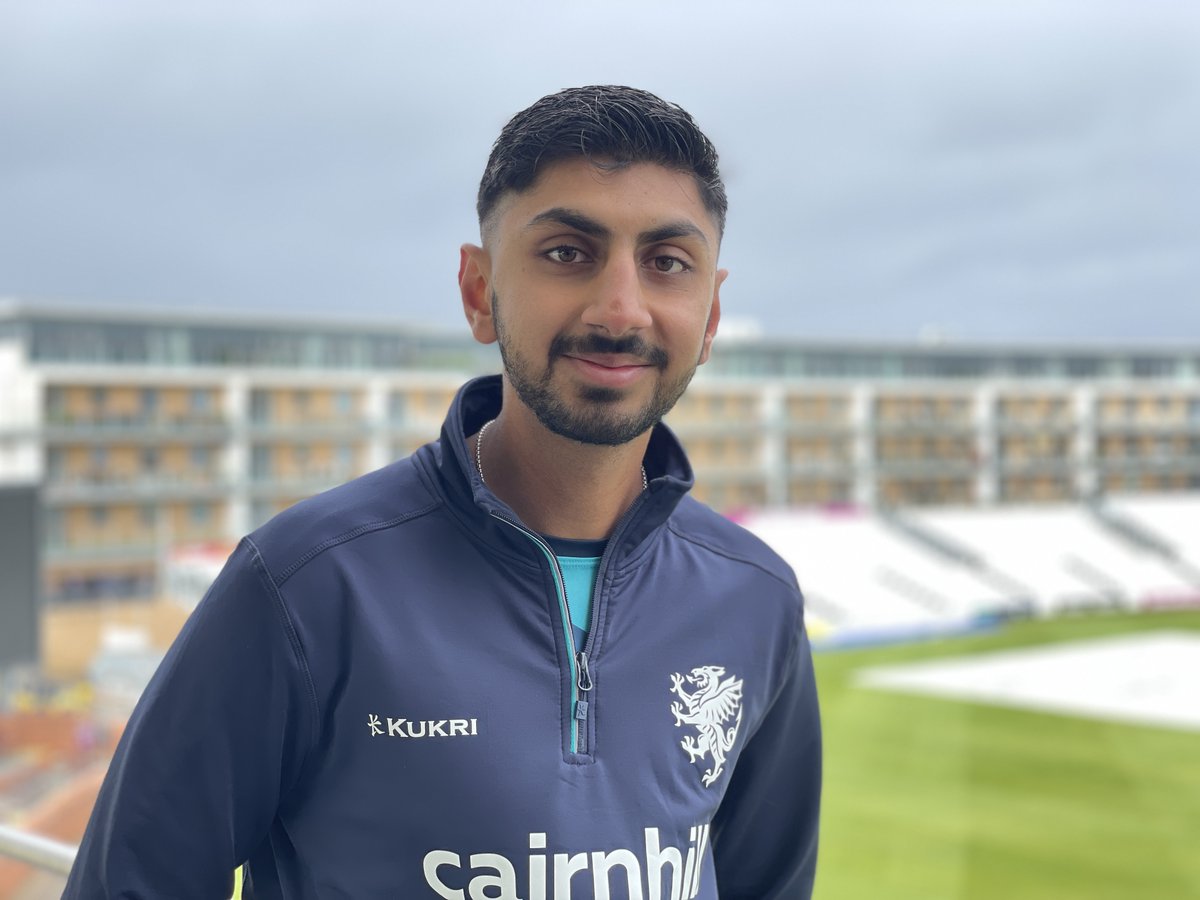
point(91, 339)
point(157, 339)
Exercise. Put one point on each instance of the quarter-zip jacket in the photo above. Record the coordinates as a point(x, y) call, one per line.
point(379, 697)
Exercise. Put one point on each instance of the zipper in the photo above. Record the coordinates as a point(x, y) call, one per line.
point(581, 678)
point(594, 619)
point(578, 661)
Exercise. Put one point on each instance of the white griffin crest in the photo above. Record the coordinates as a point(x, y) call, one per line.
point(715, 709)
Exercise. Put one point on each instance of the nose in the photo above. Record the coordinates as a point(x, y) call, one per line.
point(618, 304)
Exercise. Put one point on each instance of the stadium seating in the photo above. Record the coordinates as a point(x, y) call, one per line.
point(860, 574)
point(1064, 555)
point(1171, 523)
point(870, 574)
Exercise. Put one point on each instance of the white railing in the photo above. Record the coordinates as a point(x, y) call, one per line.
point(42, 852)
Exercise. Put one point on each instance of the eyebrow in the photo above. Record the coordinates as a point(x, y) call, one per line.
point(681, 228)
point(585, 224)
point(572, 219)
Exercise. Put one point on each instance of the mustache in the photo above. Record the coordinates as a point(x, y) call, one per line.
point(633, 345)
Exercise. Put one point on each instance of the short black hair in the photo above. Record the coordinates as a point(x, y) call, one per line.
point(613, 124)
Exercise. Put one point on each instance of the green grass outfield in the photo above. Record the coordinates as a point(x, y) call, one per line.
point(933, 799)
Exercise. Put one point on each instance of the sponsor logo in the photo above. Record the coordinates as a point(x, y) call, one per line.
point(637, 875)
point(421, 728)
point(714, 709)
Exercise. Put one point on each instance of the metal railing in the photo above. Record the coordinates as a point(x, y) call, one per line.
point(35, 850)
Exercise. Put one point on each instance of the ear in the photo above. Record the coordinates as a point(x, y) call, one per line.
point(714, 316)
point(474, 283)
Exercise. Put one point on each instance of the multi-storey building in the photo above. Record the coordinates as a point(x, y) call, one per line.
point(149, 429)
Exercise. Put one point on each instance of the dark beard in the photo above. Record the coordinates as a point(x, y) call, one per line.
point(591, 420)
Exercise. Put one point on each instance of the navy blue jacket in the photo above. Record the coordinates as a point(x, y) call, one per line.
point(379, 697)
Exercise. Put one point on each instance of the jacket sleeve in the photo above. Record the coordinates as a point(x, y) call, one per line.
point(217, 738)
point(764, 834)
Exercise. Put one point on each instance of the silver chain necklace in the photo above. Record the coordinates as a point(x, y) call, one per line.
point(479, 455)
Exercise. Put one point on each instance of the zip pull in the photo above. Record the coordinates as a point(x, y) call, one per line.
point(584, 681)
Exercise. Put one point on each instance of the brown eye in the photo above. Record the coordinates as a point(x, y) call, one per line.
point(564, 254)
point(669, 265)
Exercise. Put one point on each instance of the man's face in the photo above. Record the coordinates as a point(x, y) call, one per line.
point(602, 290)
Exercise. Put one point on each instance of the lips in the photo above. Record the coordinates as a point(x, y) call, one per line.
point(610, 360)
point(631, 351)
point(610, 370)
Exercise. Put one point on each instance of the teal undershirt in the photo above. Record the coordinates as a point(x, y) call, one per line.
point(579, 561)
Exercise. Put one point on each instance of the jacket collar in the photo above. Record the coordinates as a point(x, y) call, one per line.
point(667, 468)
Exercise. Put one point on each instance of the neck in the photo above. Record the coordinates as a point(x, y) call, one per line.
point(555, 485)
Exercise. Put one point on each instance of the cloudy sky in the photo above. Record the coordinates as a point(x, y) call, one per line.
point(981, 170)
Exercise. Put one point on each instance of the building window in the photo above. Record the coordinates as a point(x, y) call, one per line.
point(150, 459)
point(260, 461)
point(260, 512)
point(201, 400)
point(1029, 366)
point(200, 456)
point(199, 514)
point(55, 463)
point(1083, 367)
point(396, 406)
point(150, 401)
point(343, 402)
point(56, 403)
point(1153, 367)
point(55, 530)
point(99, 515)
point(260, 406)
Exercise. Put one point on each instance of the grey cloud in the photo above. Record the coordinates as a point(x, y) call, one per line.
point(888, 166)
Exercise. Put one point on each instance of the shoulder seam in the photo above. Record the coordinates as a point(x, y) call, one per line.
point(293, 639)
point(350, 535)
point(721, 551)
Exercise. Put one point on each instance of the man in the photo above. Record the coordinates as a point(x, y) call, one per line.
point(520, 663)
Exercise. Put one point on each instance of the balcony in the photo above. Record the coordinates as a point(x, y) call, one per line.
point(150, 428)
point(924, 424)
point(343, 427)
point(139, 548)
point(1037, 465)
point(304, 481)
point(902, 468)
point(98, 487)
point(1148, 425)
point(832, 428)
point(831, 414)
point(824, 467)
point(1028, 425)
point(413, 428)
point(1150, 463)
point(924, 492)
point(918, 450)
point(694, 435)
point(702, 408)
